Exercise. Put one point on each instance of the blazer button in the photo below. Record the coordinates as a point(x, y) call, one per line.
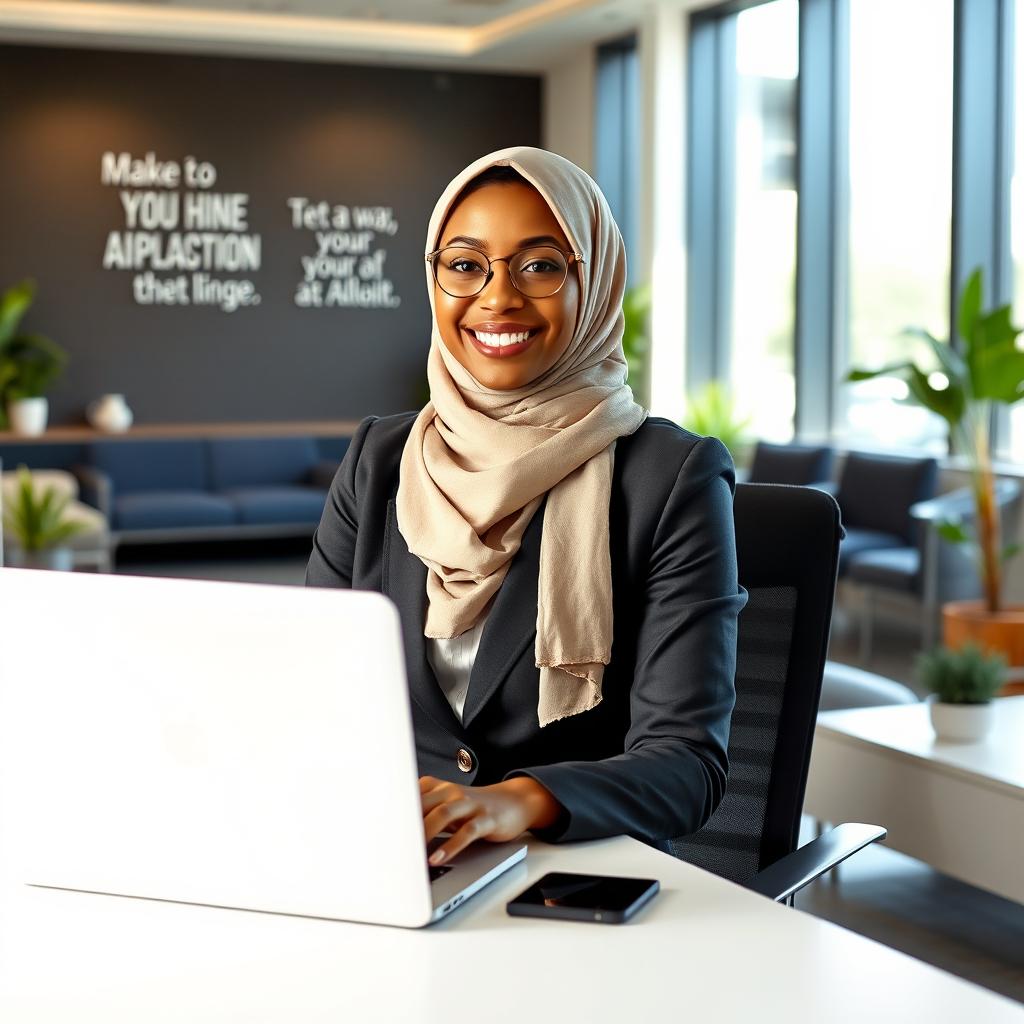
point(465, 760)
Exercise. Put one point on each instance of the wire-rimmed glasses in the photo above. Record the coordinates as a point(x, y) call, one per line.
point(536, 272)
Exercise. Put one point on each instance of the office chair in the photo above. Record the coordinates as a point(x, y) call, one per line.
point(932, 570)
point(787, 545)
point(791, 464)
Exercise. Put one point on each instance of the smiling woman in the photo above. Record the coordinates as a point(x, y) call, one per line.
point(531, 520)
point(504, 301)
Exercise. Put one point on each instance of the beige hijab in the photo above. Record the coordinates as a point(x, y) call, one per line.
point(479, 462)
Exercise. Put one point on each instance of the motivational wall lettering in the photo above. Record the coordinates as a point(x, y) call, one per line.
point(346, 266)
point(179, 236)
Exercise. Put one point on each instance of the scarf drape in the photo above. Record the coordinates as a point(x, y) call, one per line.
point(479, 461)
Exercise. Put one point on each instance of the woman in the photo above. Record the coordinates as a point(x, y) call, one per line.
point(564, 565)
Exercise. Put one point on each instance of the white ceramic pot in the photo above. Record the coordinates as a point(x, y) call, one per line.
point(28, 415)
point(961, 723)
point(109, 413)
point(61, 558)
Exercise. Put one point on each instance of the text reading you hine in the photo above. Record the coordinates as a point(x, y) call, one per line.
point(196, 230)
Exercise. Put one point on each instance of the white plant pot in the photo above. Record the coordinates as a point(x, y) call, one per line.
point(61, 558)
point(961, 723)
point(28, 415)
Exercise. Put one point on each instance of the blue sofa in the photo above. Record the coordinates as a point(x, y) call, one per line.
point(197, 488)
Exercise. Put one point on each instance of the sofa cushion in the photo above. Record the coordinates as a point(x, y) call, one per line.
point(892, 568)
point(857, 541)
point(169, 510)
point(140, 466)
point(41, 455)
point(268, 505)
point(261, 462)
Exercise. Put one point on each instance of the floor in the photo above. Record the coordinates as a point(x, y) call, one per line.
point(882, 894)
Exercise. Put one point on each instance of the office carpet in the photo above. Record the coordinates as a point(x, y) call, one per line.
point(880, 893)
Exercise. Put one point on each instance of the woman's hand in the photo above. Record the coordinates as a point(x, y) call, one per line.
point(498, 813)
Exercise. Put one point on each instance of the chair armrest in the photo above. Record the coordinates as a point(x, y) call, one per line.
point(95, 488)
point(780, 880)
point(322, 474)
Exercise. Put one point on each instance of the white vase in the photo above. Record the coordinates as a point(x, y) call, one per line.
point(28, 415)
point(961, 723)
point(109, 413)
point(61, 558)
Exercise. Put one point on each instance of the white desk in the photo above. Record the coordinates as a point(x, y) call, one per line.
point(956, 806)
point(704, 950)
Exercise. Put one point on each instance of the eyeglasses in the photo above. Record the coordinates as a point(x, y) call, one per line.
point(536, 273)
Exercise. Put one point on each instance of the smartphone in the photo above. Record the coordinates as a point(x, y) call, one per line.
point(603, 898)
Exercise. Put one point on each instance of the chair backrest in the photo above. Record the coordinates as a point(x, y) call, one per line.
point(876, 492)
point(787, 546)
point(790, 464)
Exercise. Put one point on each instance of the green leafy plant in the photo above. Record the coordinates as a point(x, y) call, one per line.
point(963, 387)
point(636, 344)
point(36, 518)
point(966, 676)
point(29, 363)
point(713, 411)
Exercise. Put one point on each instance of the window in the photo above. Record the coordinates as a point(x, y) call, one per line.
point(763, 279)
point(1017, 185)
point(1016, 417)
point(810, 251)
point(742, 210)
point(900, 207)
point(616, 140)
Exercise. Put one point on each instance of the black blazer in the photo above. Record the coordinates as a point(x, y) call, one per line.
point(650, 760)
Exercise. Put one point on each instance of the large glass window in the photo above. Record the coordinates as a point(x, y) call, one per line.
point(900, 206)
point(1017, 182)
point(616, 138)
point(1017, 216)
point(765, 217)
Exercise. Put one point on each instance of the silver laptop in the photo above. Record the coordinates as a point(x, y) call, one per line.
point(233, 744)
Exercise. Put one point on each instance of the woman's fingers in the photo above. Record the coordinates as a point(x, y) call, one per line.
point(448, 814)
point(476, 828)
point(446, 792)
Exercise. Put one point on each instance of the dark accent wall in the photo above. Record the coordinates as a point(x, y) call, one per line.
point(357, 136)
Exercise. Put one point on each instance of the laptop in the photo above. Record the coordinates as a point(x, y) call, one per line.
point(230, 744)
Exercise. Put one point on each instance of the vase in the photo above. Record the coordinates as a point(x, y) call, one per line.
point(1002, 632)
point(60, 558)
point(960, 723)
point(28, 415)
point(109, 413)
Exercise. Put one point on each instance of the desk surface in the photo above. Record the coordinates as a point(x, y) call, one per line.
point(704, 950)
point(905, 730)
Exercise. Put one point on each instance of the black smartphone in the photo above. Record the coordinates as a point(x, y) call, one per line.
point(603, 898)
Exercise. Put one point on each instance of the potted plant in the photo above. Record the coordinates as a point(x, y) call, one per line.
point(28, 365)
point(967, 383)
point(712, 411)
point(37, 522)
point(961, 686)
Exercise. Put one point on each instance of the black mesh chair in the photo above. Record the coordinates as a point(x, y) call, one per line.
point(787, 541)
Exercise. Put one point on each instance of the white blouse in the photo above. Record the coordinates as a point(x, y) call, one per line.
point(452, 661)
